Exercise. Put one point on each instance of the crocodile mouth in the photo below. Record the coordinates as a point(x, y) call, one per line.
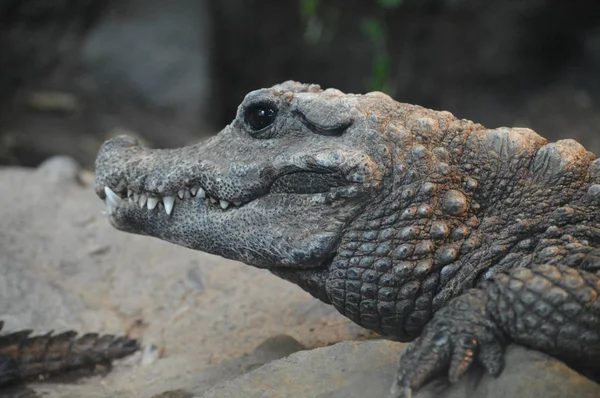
point(116, 197)
point(322, 188)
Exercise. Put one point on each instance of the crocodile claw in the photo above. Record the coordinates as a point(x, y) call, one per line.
point(455, 338)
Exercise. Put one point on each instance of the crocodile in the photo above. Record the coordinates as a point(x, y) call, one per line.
point(24, 357)
point(415, 224)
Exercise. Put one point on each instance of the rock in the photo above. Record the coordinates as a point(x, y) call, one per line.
point(273, 348)
point(174, 394)
point(367, 369)
point(344, 370)
point(60, 168)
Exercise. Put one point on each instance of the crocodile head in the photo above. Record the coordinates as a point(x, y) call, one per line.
point(275, 188)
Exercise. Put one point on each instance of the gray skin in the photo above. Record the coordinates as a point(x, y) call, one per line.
point(412, 223)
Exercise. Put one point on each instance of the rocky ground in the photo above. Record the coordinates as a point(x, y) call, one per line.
point(206, 324)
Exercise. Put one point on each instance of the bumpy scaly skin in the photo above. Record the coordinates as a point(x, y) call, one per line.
point(409, 221)
point(23, 356)
point(552, 308)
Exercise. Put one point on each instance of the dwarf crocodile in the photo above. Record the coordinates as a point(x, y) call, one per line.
point(413, 223)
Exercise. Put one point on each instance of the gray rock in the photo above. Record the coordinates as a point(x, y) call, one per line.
point(344, 370)
point(60, 168)
point(273, 348)
point(366, 369)
point(174, 394)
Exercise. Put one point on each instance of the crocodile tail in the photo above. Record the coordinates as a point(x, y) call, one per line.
point(23, 356)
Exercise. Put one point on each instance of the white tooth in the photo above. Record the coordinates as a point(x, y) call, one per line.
point(110, 207)
point(152, 202)
point(142, 201)
point(110, 194)
point(213, 200)
point(201, 193)
point(181, 193)
point(224, 204)
point(169, 201)
point(129, 192)
point(193, 191)
point(112, 197)
point(237, 203)
point(136, 197)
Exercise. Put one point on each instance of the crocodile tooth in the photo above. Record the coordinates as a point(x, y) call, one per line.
point(201, 193)
point(136, 198)
point(152, 202)
point(142, 201)
point(181, 193)
point(111, 196)
point(193, 190)
point(238, 204)
point(212, 200)
point(112, 200)
point(110, 206)
point(169, 201)
point(224, 204)
point(129, 192)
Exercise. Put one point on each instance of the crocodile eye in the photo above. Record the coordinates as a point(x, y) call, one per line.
point(260, 116)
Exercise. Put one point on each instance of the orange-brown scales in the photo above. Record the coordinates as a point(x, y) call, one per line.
point(24, 357)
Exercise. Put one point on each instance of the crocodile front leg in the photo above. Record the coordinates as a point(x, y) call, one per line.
point(554, 309)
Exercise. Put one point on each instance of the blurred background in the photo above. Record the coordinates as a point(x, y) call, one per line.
point(76, 72)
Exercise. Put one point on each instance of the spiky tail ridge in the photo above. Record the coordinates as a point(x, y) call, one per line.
point(23, 356)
